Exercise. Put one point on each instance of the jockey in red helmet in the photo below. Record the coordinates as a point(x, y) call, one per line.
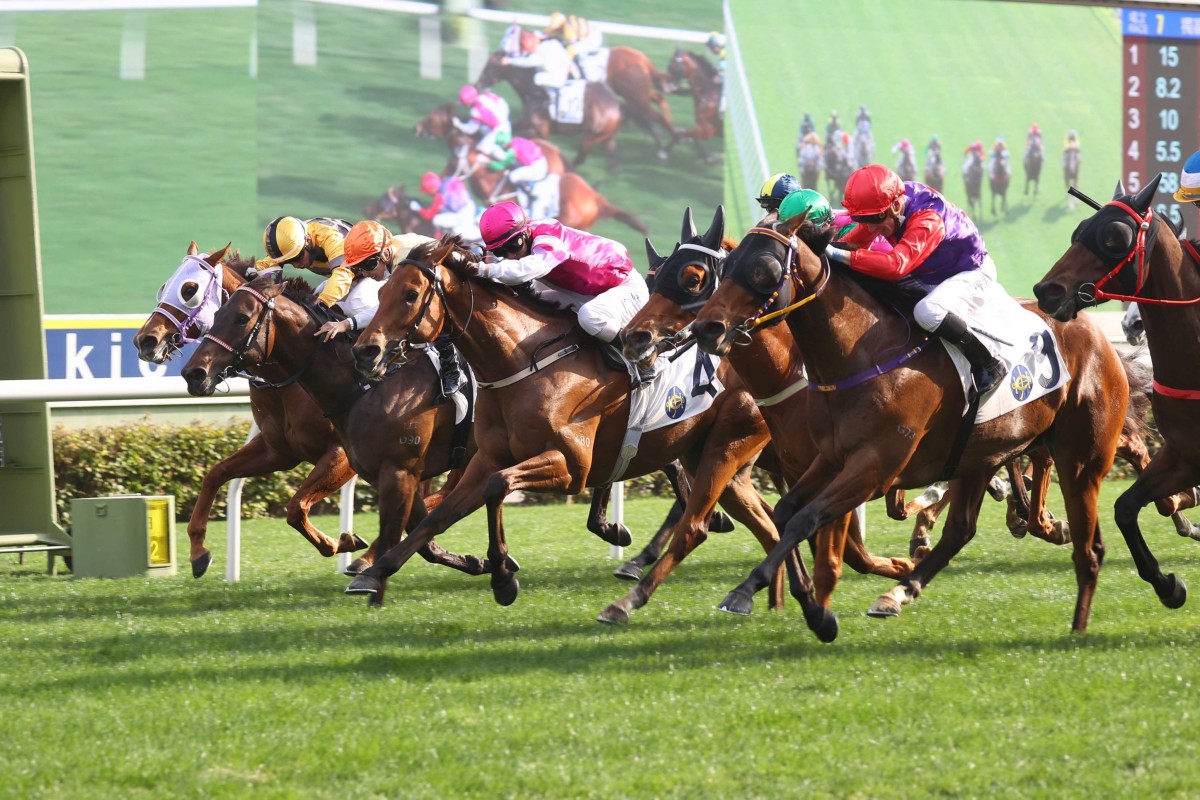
point(573, 269)
point(936, 249)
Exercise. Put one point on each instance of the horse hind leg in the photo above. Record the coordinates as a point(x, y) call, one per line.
point(633, 569)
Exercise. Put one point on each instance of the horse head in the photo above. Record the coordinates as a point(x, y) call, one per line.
point(683, 281)
point(244, 330)
point(437, 124)
point(412, 303)
point(769, 268)
point(1116, 243)
point(186, 305)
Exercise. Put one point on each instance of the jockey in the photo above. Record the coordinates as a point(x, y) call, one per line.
point(905, 149)
point(589, 274)
point(451, 208)
point(577, 35)
point(975, 149)
point(1033, 139)
point(832, 126)
point(807, 125)
point(548, 56)
point(488, 115)
point(716, 46)
point(1072, 141)
point(313, 244)
point(808, 149)
point(528, 170)
point(510, 40)
point(936, 249)
point(862, 123)
point(372, 252)
point(821, 216)
point(1189, 181)
point(774, 189)
point(934, 146)
point(998, 156)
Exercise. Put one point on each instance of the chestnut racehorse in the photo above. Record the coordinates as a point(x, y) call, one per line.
point(580, 205)
point(891, 405)
point(552, 417)
point(694, 74)
point(1126, 251)
point(601, 109)
point(291, 428)
point(635, 79)
point(772, 370)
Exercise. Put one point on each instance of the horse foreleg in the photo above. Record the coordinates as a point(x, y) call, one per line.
point(682, 485)
point(1132, 448)
point(328, 475)
point(1166, 474)
point(918, 542)
point(861, 560)
point(251, 460)
point(547, 472)
point(458, 503)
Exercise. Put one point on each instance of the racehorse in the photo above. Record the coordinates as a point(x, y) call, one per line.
point(694, 72)
point(808, 157)
point(635, 79)
point(560, 428)
point(1113, 257)
point(1071, 160)
point(999, 176)
point(580, 205)
point(291, 428)
point(395, 204)
point(853, 344)
point(601, 109)
point(864, 148)
point(906, 166)
point(1035, 155)
point(973, 182)
point(838, 167)
point(935, 170)
point(395, 432)
point(771, 367)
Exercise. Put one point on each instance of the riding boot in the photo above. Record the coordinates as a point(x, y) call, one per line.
point(452, 376)
point(986, 369)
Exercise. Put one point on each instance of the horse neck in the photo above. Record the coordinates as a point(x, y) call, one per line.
point(498, 333)
point(769, 363)
point(845, 330)
point(1172, 332)
point(328, 379)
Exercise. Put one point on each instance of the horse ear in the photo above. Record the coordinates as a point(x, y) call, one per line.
point(716, 231)
point(193, 250)
point(689, 226)
point(218, 256)
point(651, 254)
point(442, 250)
point(1119, 192)
point(1142, 200)
point(792, 224)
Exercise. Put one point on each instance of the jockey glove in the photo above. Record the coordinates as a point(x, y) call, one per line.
point(837, 254)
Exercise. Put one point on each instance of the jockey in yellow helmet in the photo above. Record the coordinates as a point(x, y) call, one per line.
point(313, 244)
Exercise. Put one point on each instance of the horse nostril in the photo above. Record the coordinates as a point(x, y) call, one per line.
point(195, 375)
point(367, 354)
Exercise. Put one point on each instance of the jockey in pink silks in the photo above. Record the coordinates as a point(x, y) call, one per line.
point(489, 115)
point(591, 275)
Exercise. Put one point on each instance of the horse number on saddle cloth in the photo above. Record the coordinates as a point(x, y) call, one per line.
point(1029, 351)
point(569, 105)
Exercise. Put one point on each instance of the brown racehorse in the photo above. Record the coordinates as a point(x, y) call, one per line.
point(694, 74)
point(395, 432)
point(601, 109)
point(561, 428)
point(395, 205)
point(1113, 257)
point(580, 206)
point(291, 428)
point(879, 425)
point(635, 79)
point(770, 366)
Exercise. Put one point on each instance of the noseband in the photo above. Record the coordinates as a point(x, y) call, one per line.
point(761, 317)
point(1139, 251)
point(264, 317)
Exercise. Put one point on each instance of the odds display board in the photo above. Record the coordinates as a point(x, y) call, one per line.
point(1161, 80)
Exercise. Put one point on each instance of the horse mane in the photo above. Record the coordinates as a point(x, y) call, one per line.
point(707, 70)
point(239, 263)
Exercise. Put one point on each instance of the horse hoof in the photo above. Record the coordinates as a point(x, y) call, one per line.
point(916, 544)
point(1174, 593)
point(506, 591)
point(825, 626)
point(885, 606)
point(201, 564)
point(628, 571)
point(359, 543)
point(363, 584)
point(375, 600)
point(720, 523)
point(737, 602)
point(355, 567)
point(613, 615)
point(512, 564)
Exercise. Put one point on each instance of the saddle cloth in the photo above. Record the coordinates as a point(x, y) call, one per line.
point(1027, 348)
point(679, 390)
point(458, 398)
point(568, 103)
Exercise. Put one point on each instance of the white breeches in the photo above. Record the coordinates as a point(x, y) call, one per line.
point(604, 315)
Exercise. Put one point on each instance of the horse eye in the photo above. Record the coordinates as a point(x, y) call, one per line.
point(191, 294)
point(1118, 237)
point(242, 319)
point(763, 275)
point(411, 296)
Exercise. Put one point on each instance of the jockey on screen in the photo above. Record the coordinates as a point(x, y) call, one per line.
point(528, 171)
point(489, 115)
point(1033, 139)
point(548, 56)
point(936, 249)
point(450, 208)
point(577, 35)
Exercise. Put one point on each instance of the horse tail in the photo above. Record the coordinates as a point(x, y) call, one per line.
point(608, 209)
point(1141, 384)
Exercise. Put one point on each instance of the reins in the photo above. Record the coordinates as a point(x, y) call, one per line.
point(239, 353)
point(1143, 267)
point(789, 273)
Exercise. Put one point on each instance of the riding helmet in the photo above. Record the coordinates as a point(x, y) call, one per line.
point(501, 222)
point(871, 190)
point(284, 239)
point(775, 188)
point(810, 200)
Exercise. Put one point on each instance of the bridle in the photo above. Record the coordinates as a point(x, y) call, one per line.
point(198, 319)
point(788, 274)
point(439, 290)
point(1141, 271)
point(239, 353)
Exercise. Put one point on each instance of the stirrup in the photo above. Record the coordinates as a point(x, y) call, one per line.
point(989, 378)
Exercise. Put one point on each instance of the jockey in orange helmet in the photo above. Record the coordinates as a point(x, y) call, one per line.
point(937, 250)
